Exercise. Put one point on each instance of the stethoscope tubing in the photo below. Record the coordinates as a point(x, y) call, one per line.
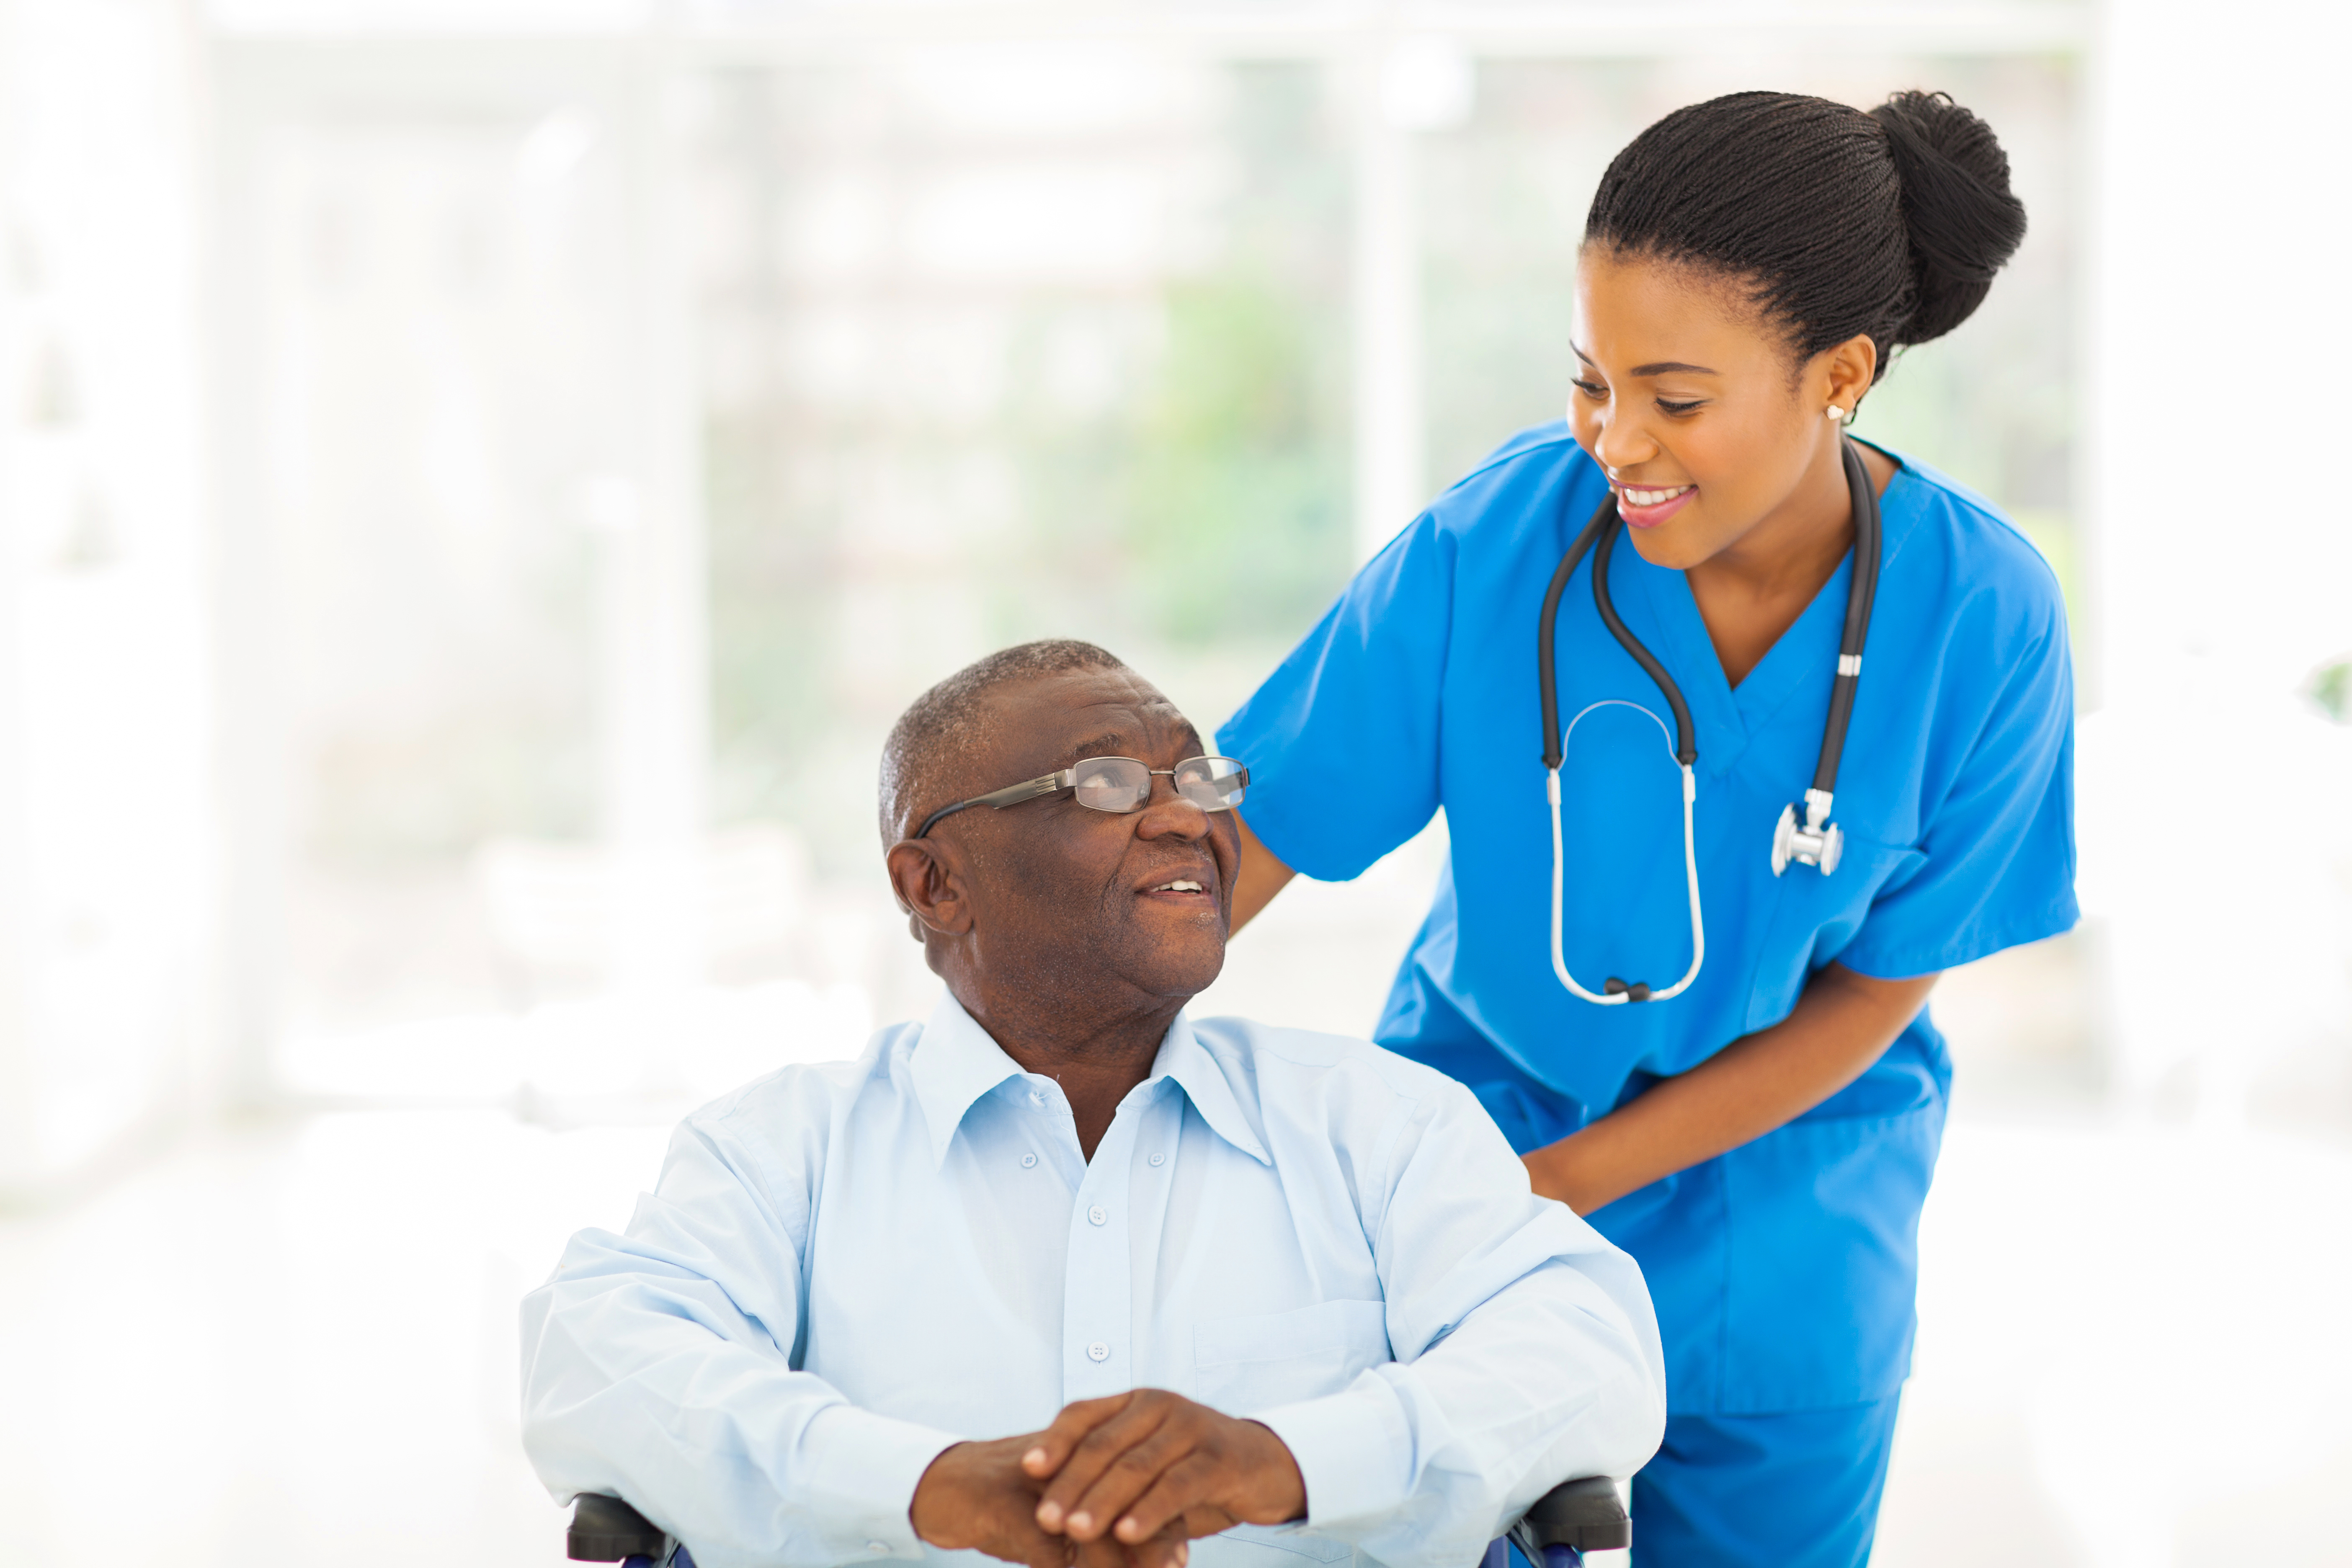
point(1559, 868)
point(1868, 550)
point(1599, 538)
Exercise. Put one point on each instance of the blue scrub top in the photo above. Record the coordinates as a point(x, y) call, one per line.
point(1784, 1271)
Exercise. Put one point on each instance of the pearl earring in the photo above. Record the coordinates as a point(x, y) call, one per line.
point(1835, 412)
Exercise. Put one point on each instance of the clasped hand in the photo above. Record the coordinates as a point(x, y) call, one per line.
point(1121, 1482)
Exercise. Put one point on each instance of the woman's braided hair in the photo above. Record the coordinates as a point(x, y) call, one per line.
point(1840, 223)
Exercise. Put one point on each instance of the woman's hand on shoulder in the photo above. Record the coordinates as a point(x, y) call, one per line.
point(1262, 876)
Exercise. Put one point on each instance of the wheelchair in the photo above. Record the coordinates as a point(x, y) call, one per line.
point(1572, 1518)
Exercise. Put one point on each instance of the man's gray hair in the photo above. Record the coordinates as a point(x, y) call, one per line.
point(921, 761)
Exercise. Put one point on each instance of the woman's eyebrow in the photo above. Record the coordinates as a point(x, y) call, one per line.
point(1660, 367)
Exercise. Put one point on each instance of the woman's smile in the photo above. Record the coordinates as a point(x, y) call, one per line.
point(1647, 507)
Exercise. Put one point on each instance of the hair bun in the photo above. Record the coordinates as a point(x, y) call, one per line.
point(1964, 222)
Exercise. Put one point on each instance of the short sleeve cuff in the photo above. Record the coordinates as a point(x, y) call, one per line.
point(1882, 957)
point(1353, 1450)
point(863, 1481)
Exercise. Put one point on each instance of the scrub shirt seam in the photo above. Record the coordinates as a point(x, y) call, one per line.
point(1717, 1394)
point(1448, 544)
point(1447, 535)
point(1503, 459)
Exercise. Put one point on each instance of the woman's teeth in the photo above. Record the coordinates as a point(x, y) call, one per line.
point(1650, 498)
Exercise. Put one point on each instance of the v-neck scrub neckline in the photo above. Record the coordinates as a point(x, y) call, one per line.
point(1795, 657)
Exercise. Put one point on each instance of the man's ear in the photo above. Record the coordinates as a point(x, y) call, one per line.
point(929, 879)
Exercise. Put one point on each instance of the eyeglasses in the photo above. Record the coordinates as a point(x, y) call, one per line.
point(1120, 784)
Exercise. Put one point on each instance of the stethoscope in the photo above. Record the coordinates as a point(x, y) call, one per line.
point(1816, 841)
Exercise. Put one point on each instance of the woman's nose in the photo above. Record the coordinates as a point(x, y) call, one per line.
point(1621, 443)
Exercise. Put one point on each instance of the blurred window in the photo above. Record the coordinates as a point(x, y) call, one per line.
point(954, 346)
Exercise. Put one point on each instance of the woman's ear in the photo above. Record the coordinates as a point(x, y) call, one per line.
point(930, 884)
point(1850, 365)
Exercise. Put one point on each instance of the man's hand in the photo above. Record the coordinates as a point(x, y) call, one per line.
point(980, 1496)
point(1150, 1464)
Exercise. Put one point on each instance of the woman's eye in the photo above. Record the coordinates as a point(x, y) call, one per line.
point(1680, 408)
point(1592, 389)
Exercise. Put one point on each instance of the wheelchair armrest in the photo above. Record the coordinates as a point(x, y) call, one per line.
point(1585, 1513)
point(607, 1530)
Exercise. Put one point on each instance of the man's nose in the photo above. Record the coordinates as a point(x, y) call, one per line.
point(1170, 815)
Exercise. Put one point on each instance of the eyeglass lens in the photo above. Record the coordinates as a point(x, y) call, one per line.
point(1122, 783)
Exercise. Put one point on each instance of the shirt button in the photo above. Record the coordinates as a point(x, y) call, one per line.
point(1100, 1216)
point(1160, 1159)
point(1099, 1351)
point(1027, 1160)
point(877, 1547)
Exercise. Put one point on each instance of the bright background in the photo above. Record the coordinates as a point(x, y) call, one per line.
point(477, 477)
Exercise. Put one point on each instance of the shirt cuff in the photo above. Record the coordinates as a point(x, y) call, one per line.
point(1353, 1450)
point(864, 1481)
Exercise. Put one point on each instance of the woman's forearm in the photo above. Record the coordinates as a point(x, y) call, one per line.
point(1841, 1024)
point(1261, 877)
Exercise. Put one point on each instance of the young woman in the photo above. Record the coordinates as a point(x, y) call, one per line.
point(1744, 730)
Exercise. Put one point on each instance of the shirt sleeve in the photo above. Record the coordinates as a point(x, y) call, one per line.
point(658, 1368)
point(1527, 1353)
point(1341, 741)
point(1998, 847)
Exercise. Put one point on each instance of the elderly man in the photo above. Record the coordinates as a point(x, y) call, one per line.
point(1062, 1275)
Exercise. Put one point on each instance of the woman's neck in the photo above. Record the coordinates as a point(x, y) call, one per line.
point(1750, 592)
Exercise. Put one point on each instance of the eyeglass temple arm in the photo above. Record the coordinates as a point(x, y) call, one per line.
point(1013, 794)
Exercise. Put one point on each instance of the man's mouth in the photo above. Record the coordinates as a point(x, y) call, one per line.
point(1180, 885)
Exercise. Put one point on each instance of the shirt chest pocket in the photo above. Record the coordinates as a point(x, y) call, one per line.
point(1240, 1365)
point(1814, 917)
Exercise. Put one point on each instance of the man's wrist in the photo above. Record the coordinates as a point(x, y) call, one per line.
point(1279, 1489)
point(922, 1509)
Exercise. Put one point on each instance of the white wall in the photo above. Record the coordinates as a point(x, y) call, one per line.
point(103, 715)
point(2215, 802)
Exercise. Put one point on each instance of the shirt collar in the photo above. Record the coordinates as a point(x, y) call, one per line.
point(1202, 1076)
point(956, 1062)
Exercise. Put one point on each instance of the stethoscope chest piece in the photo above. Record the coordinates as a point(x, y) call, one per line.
point(1817, 841)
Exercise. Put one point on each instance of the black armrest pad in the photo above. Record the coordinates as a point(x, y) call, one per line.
point(605, 1530)
point(1585, 1513)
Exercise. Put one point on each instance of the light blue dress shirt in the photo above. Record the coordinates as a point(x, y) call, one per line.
point(845, 1269)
